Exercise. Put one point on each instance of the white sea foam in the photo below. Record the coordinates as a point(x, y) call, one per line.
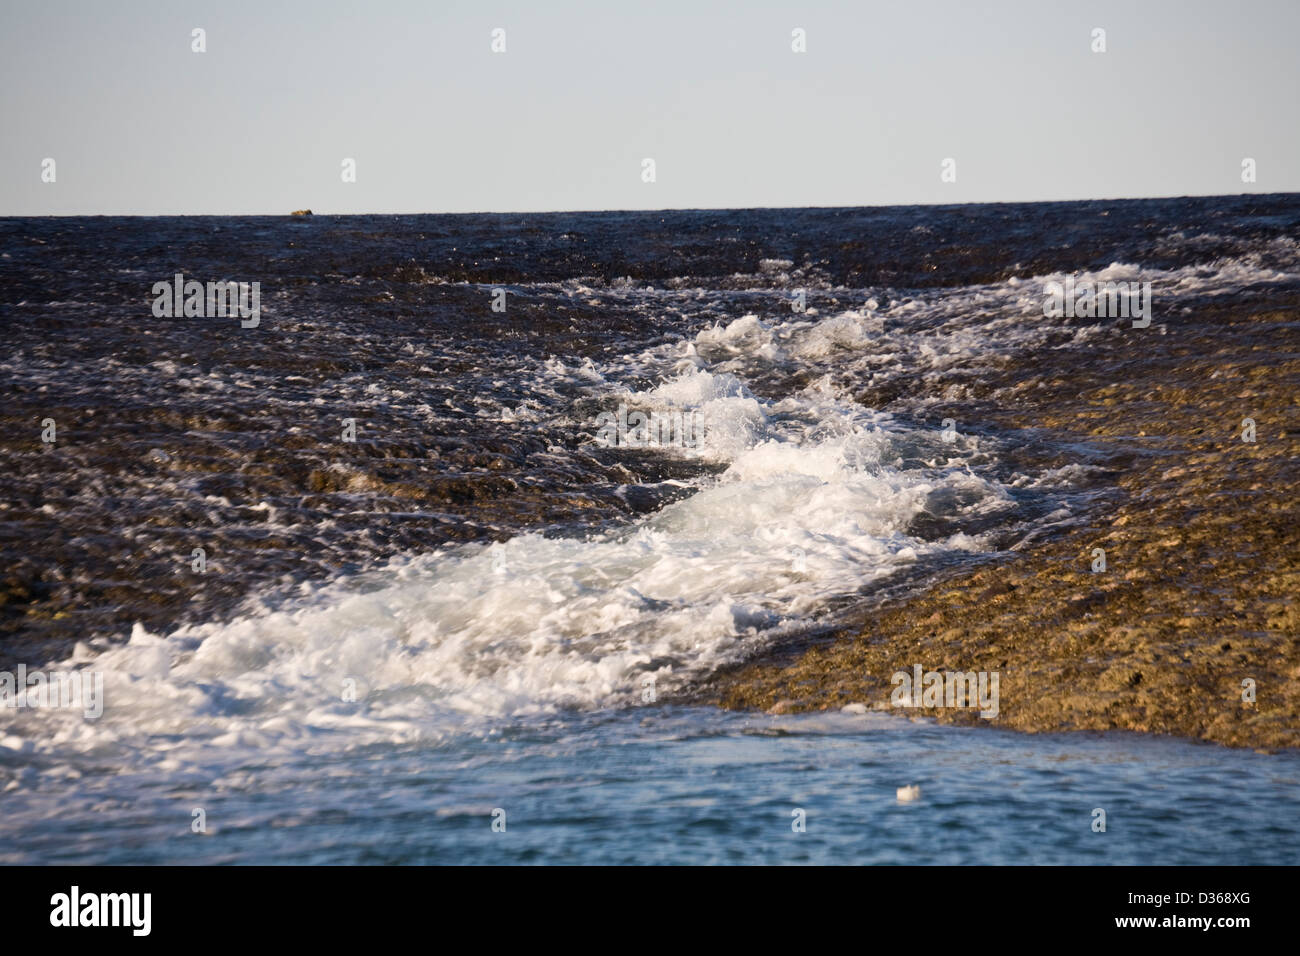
point(448, 641)
point(532, 624)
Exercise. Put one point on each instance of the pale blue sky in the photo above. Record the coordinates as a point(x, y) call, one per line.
point(138, 124)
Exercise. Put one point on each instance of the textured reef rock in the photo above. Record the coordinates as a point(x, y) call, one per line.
point(1195, 612)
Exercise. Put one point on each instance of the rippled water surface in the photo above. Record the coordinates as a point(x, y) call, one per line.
point(685, 786)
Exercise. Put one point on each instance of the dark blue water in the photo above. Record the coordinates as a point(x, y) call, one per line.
point(682, 786)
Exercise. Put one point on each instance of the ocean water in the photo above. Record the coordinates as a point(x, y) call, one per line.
point(478, 606)
point(669, 786)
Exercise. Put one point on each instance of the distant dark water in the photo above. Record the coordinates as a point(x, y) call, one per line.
point(477, 570)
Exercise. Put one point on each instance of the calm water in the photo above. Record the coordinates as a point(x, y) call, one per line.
point(684, 786)
point(461, 609)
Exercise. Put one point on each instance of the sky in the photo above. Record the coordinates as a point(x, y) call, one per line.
point(137, 123)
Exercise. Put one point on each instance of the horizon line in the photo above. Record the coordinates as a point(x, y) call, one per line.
point(551, 212)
